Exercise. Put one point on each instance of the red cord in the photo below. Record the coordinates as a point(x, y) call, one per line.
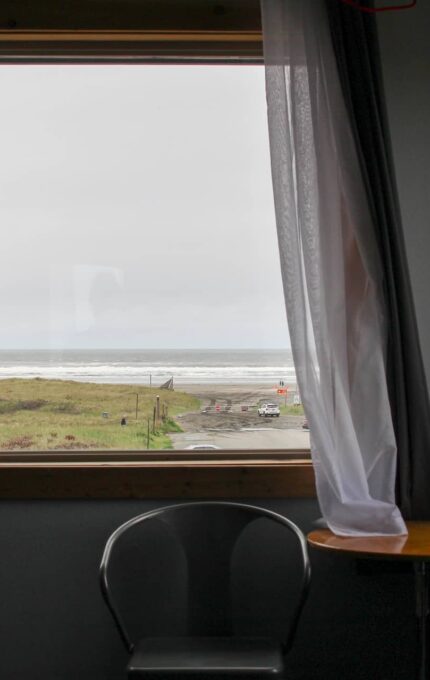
point(372, 10)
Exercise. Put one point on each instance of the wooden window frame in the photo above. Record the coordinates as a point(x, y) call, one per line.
point(112, 30)
point(177, 474)
point(228, 33)
point(149, 46)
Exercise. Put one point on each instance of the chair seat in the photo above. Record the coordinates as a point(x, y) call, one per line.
point(206, 658)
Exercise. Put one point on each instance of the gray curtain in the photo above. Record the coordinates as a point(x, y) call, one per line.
point(355, 41)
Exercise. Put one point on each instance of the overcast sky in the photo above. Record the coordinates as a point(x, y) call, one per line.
point(136, 209)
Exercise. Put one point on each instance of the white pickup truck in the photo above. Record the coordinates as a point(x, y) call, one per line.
point(269, 410)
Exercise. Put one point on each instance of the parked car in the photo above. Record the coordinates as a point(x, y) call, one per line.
point(202, 447)
point(269, 410)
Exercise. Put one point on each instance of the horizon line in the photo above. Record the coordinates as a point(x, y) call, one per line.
point(138, 349)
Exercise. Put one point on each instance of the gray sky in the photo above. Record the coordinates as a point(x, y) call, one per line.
point(136, 209)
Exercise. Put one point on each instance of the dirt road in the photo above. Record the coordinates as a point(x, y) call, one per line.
point(228, 418)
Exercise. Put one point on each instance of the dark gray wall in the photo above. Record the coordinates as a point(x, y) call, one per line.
point(405, 49)
point(54, 625)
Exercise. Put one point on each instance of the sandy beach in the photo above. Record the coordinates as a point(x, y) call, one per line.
point(228, 418)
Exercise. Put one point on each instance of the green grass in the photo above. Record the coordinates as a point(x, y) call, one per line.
point(55, 414)
point(291, 410)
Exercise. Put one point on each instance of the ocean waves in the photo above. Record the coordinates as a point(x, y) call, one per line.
point(152, 367)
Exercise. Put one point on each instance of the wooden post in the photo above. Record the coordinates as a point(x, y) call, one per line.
point(153, 419)
point(137, 403)
point(158, 407)
point(147, 436)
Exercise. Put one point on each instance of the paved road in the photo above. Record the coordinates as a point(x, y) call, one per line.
point(262, 438)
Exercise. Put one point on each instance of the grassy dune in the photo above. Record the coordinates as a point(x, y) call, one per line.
point(56, 414)
point(291, 410)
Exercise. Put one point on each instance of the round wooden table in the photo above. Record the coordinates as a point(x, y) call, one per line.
point(414, 547)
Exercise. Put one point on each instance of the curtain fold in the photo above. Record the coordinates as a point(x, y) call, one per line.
point(356, 48)
point(331, 272)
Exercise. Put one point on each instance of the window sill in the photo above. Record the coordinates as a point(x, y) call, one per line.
point(179, 474)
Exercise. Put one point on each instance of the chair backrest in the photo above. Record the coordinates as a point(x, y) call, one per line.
point(208, 532)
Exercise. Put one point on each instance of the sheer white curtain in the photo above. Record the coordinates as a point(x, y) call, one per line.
point(331, 273)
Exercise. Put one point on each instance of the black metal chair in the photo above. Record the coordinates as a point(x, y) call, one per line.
point(208, 533)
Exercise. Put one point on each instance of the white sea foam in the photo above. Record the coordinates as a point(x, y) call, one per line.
point(139, 367)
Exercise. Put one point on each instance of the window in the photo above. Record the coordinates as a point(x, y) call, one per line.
point(98, 284)
point(148, 261)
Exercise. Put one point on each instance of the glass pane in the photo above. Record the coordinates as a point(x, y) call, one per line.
point(142, 302)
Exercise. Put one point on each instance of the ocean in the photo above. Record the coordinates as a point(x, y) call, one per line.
point(150, 366)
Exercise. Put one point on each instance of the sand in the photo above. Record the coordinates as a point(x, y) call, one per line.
point(228, 418)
